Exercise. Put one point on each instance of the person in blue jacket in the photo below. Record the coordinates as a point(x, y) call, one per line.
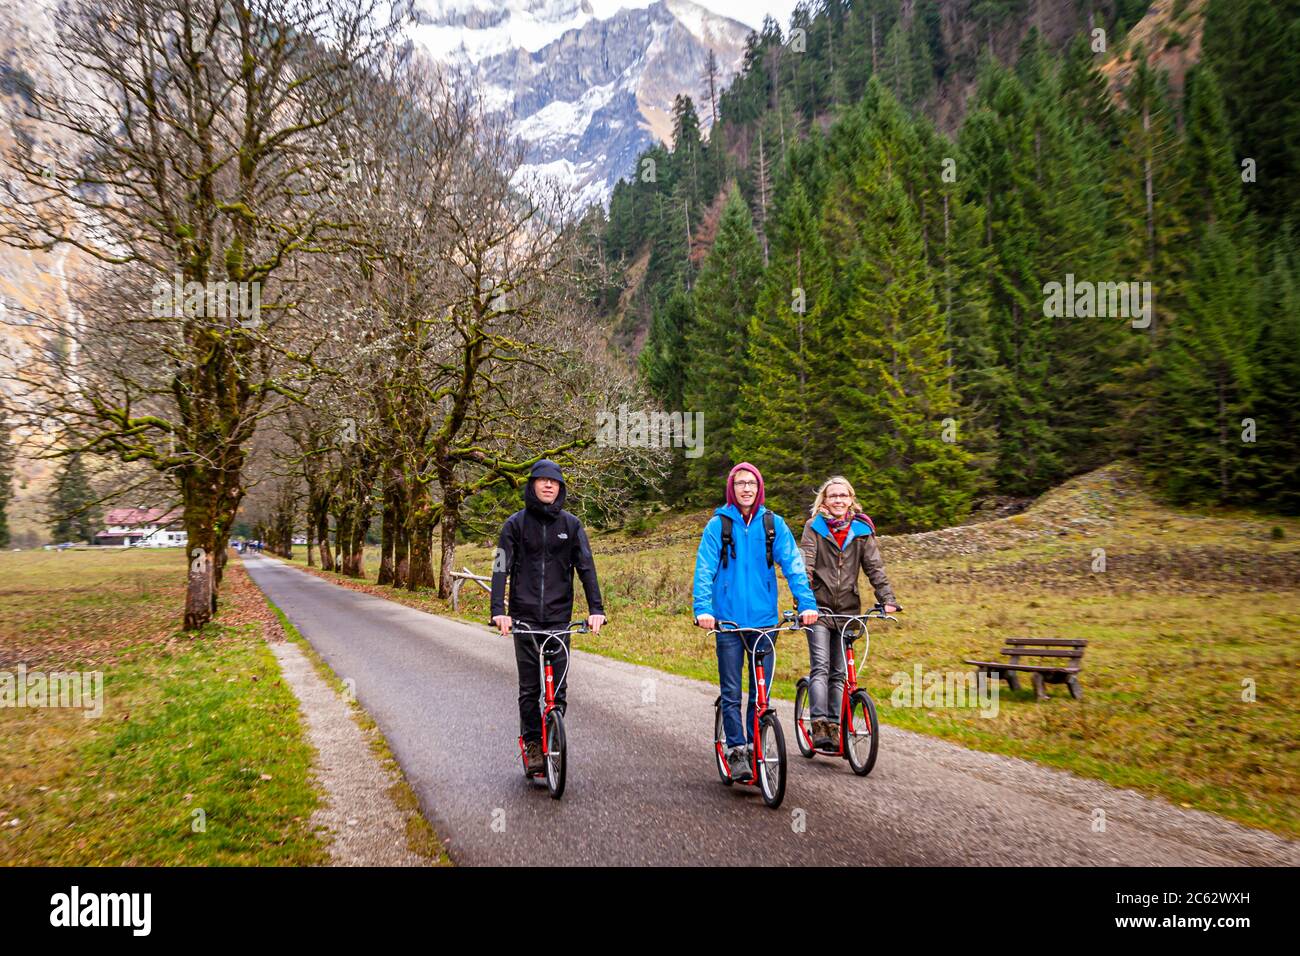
point(740, 588)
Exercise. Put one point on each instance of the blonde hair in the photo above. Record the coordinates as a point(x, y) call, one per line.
point(819, 502)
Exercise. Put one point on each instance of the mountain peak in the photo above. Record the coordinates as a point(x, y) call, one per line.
point(588, 84)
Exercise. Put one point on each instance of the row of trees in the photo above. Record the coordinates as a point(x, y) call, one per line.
point(877, 302)
point(320, 277)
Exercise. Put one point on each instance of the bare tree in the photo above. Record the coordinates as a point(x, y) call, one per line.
point(197, 172)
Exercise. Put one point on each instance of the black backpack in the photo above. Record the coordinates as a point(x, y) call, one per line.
point(729, 539)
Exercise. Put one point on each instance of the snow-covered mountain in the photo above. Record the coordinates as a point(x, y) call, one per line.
point(588, 84)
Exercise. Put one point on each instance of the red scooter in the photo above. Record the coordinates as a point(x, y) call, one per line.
point(859, 728)
point(554, 751)
point(767, 756)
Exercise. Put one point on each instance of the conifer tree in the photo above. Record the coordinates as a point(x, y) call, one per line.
point(724, 296)
point(71, 502)
point(894, 391)
point(1276, 408)
point(783, 401)
point(1205, 388)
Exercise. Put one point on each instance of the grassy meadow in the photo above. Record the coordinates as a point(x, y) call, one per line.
point(199, 755)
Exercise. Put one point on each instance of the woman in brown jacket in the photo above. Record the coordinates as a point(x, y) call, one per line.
point(837, 541)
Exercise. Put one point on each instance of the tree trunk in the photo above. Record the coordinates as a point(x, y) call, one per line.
point(401, 553)
point(447, 560)
point(420, 521)
point(210, 498)
point(200, 588)
point(388, 529)
point(420, 574)
point(356, 567)
point(326, 557)
point(342, 535)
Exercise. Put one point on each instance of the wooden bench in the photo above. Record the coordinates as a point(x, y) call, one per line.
point(1068, 655)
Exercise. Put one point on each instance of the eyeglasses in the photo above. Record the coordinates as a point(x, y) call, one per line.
point(744, 484)
point(833, 497)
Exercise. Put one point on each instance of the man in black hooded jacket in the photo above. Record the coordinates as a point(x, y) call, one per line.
point(539, 549)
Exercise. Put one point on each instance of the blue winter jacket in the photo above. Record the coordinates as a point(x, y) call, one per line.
point(744, 592)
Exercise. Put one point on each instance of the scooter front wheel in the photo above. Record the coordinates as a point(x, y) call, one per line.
point(861, 733)
point(771, 768)
point(555, 755)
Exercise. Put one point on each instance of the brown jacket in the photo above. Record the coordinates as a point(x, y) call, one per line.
point(833, 573)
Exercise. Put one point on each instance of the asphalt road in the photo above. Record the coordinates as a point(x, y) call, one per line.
point(642, 788)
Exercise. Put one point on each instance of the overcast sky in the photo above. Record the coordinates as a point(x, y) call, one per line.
point(748, 12)
point(751, 12)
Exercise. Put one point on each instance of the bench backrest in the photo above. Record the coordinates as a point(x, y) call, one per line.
point(1071, 650)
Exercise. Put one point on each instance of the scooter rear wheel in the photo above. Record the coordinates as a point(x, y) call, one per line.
point(803, 719)
point(720, 744)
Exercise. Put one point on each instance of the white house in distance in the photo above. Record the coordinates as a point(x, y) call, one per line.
point(142, 528)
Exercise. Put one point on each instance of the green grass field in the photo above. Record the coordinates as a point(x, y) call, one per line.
point(199, 755)
point(1193, 610)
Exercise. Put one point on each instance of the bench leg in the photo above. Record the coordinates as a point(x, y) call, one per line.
point(1040, 691)
point(1075, 690)
point(1012, 679)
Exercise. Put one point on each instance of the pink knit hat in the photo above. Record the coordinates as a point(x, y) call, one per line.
point(731, 491)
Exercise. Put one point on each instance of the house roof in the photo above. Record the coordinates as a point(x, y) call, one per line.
point(141, 516)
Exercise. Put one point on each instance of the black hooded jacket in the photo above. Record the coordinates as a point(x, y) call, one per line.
point(539, 549)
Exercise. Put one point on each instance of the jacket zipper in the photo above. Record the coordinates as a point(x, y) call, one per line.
point(541, 610)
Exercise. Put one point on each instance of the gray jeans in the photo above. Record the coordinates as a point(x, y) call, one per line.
point(827, 655)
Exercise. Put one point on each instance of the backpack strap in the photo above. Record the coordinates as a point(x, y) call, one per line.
point(728, 539)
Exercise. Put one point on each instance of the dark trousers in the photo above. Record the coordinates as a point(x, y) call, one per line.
point(530, 676)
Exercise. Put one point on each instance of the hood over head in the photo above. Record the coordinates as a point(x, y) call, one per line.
point(731, 478)
point(545, 469)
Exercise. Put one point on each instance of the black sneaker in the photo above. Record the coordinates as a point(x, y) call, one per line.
point(738, 764)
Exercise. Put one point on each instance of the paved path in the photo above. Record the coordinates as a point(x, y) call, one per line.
point(642, 788)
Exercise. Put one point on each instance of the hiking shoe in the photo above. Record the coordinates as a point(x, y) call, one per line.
point(738, 764)
point(533, 754)
point(821, 734)
point(833, 734)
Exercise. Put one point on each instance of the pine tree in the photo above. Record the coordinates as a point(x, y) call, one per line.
point(1209, 170)
point(783, 401)
point(894, 389)
point(1205, 385)
point(724, 296)
point(997, 142)
point(1276, 408)
point(663, 357)
point(71, 503)
point(1254, 47)
point(1151, 235)
point(1069, 214)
